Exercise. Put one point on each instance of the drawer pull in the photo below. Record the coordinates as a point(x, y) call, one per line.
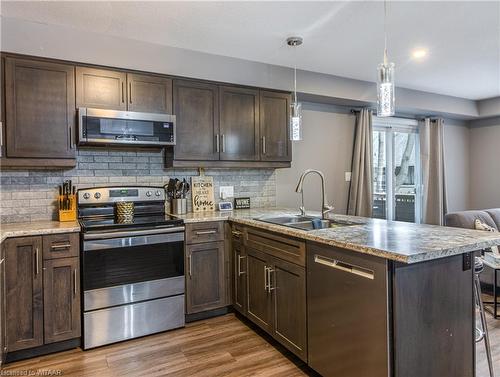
point(236, 233)
point(266, 284)
point(37, 262)
point(189, 265)
point(61, 246)
point(203, 232)
point(270, 287)
point(344, 266)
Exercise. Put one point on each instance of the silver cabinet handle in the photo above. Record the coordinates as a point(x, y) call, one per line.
point(344, 266)
point(217, 143)
point(37, 262)
point(203, 232)
point(70, 137)
point(264, 148)
point(123, 92)
point(1, 139)
point(130, 92)
point(75, 282)
point(269, 280)
point(239, 265)
point(189, 265)
point(223, 143)
point(236, 233)
point(265, 279)
point(61, 246)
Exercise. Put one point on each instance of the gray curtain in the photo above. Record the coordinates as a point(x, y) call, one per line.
point(361, 189)
point(434, 205)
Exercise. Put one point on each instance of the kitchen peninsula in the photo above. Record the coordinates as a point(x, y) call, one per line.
point(391, 288)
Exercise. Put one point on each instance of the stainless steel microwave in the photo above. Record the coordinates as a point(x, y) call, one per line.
point(108, 127)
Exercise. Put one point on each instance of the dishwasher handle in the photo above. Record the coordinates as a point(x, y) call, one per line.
point(345, 266)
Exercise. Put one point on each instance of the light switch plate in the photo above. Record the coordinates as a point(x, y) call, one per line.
point(348, 176)
point(226, 192)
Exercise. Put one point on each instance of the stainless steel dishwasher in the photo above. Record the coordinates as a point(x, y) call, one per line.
point(347, 311)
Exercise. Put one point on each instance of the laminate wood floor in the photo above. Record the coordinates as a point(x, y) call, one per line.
point(222, 346)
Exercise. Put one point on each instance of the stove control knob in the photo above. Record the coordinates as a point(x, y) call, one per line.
point(97, 195)
point(86, 195)
point(148, 193)
point(157, 193)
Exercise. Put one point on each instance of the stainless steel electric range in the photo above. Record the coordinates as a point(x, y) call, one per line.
point(132, 271)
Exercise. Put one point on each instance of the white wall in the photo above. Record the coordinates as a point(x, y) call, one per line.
point(327, 146)
point(485, 165)
point(457, 156)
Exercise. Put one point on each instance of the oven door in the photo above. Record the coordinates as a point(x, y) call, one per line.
point(129, 269)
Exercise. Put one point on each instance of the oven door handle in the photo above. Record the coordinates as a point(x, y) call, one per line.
point(123, 242)
point(131, 233)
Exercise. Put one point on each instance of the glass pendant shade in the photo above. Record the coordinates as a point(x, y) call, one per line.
point(385, 90)
point(296, 122)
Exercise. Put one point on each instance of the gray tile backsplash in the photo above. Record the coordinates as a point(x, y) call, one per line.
point(30, 195)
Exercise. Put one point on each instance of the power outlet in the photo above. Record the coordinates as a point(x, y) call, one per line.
point(226, 192)
point(348, 176)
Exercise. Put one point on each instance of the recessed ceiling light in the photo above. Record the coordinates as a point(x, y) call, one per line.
point(419, 53)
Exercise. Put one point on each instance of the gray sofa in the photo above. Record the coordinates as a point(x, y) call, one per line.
point(466, 219)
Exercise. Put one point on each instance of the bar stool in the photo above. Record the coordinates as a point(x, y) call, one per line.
point(482, 333)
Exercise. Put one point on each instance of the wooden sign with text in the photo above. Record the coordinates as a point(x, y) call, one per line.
point(202, 193)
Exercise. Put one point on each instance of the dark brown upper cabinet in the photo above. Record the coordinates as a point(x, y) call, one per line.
point(149, 93)
point(274, 130)
point(24, 292)
point(239, 124)
point(196, 107)
point(101, 88)
point(39, 110)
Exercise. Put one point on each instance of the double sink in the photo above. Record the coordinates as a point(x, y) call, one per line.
point(306, 223)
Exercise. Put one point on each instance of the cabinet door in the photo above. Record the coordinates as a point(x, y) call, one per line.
point(149, 94)
point(61, 294)
point(196, 107)
point(40, 109)
point(239, 124)
point(274, 126)
point(240, 269)
point(2, 305)
point(24, 296)
point(205, 280)
point(259, 298)
point(288, 283)
point(100, 88)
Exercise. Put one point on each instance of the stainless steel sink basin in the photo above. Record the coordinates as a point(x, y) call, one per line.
point(307, 223)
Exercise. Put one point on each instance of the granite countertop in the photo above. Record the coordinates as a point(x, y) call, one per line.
point(37, 228)
point(399, 241)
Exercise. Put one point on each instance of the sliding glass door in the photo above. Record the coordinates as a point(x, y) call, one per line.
point(396, 170)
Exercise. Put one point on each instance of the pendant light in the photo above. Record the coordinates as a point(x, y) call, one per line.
point(296, 107)
point(385, 80)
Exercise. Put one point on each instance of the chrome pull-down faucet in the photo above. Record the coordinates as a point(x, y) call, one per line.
point(325, 207)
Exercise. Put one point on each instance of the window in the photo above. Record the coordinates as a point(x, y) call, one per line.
point(396, 170)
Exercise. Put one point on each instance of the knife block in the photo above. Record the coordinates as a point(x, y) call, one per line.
point(67, 214)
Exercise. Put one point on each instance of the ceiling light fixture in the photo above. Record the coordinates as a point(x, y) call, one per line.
point(419, 53)
point(296, 107)
point(385, 80)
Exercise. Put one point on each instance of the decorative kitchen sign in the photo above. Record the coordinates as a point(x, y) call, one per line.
point(241, 203)
point(202, 193)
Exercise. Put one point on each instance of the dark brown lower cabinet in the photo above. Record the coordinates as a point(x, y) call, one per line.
point(42, 297)
point(288, 284)
point(205, 277)
point(61, 295)
point(276, 299)
point(24, 292)
point(259, 298)
point(240, 268)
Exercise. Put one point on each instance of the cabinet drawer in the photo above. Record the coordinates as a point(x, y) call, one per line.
point(237, 234)
point(288, 249)
point(61, 245)
point(205, 232)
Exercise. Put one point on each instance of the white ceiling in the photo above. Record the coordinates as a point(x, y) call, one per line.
point(340, 38)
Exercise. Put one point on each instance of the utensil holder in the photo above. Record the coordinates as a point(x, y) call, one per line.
point(67, 214)
point(124, 212)
point(179, 206)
